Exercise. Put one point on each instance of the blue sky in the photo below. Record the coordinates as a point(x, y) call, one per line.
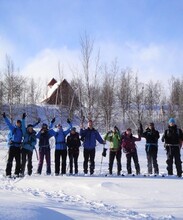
point(145, 35)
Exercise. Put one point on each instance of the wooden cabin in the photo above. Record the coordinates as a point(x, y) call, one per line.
point(61, 94)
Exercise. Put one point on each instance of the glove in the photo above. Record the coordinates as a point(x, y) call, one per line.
point(53, 120)
point(140, 124)
point(38, 121)
point(104, 152)
point(140, 129)
point(68, 121)
point(116, 128)
point(24, 115)
point(139, 132)
point(4, 115)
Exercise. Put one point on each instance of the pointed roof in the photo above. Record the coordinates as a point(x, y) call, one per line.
point(52, 82)
point(59, 92)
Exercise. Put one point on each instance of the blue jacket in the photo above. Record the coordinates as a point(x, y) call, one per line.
point(15, 134)
point(29, 140)
point(60, 136)
point(90, 137)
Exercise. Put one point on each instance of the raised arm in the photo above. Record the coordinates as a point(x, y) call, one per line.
point(36, 123)
point(7, 121)
point(69, 129)
point(23, 124)
point(52, 123)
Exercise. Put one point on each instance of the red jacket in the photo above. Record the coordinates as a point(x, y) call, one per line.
point(128, 143)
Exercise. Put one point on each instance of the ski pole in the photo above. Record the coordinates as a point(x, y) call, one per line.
point(103, 155)
point(5, 156)
point(67, 169)
point(36, 154)
point(101, 165)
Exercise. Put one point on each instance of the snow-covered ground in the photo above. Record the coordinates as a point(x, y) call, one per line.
point(96, 197)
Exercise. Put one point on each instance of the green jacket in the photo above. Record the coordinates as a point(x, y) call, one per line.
point(114, 139)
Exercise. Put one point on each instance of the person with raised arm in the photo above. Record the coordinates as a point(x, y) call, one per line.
point(15, 137)
point(28, 145)
point(61, 147)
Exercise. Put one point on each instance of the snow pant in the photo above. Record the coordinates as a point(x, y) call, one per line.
point(14, 152)
point(73, 158)
point(44, 152)
point(60, 154)
point(26, 156)
point(89, 155)
point(129, 157)
point(151, 153)
point(112, 156)
point(173, 153)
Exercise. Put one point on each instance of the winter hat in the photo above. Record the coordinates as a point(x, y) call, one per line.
point(73, 129)
point(151, 124)
point(29, 126)
point(44, 125)
point(129, 129)
point(171, 120)
point(19, 121)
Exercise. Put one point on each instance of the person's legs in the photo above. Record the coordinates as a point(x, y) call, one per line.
point(111, 160)
point(118, 158)
point(178, 162)
point(154, 160)
point(128, 163)
point(86, 159)
point(23, 163)
point(41, 159)
point(71, 161)
point(76, 155)
point(136, 162)
point(48, 161)
point(17, 159)
point(92, 161)
point(9, 164)
point(64, 158)
point(29, 164)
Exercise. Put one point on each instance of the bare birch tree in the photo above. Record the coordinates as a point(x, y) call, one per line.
point(136, 112)
point(107, 95)
point(152, 94)
point(12, 86)
point(124, 92)
point(90, 80)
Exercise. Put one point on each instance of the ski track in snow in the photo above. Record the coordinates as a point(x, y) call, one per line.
point(77, 202)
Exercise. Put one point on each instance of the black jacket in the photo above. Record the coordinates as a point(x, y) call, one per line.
point(172, 135)
point(73, 141)
point(151, 136)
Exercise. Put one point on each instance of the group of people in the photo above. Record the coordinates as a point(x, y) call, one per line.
point(22, 140)
point(172, 138)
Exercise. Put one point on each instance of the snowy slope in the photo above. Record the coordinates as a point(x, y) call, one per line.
point(97, 197)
